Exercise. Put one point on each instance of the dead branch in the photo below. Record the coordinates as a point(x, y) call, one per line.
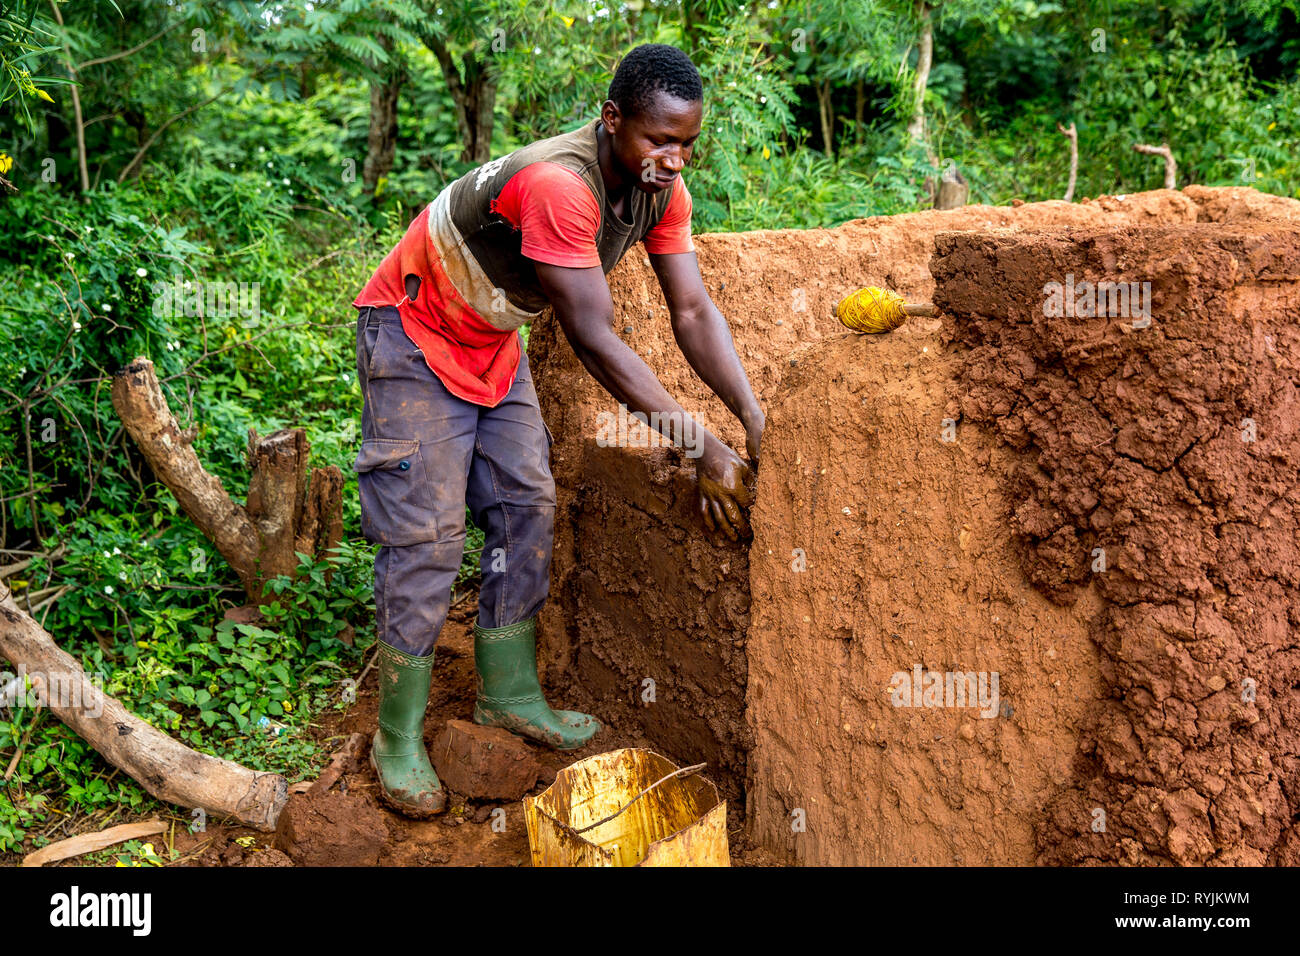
point(1073, 136)
point(345, 761)
point(90, 842)
point(287, 509)
point(166, 768)
point(1171, 168)
point(143, 409)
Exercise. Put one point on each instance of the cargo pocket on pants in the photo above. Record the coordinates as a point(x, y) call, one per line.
point(396, 498)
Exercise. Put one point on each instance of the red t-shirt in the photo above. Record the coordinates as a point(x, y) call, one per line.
point(559, 218)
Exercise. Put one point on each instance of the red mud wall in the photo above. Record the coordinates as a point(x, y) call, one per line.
point(639, 590)
point(1173, 451)
point(880, 547)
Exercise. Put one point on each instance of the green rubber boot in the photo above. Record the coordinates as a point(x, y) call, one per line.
point(407, 782)
point(509, 695)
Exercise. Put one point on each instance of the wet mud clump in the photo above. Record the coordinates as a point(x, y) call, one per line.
point(1157, 465)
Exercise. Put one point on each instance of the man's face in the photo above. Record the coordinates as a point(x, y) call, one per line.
point(654, 146)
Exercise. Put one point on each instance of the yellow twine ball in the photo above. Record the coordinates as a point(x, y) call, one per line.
point(872, 310)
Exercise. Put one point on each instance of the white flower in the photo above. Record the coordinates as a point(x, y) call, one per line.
point(76, 326)
point(107, 555)
point(261, 149)
point(142, 272)
point(268, 164)
point(122, 575)
point(117, 550)
point(176, 345)
point(69, 255)
point(108, 589)
point(285, 181)
point(345, 377)
point(106, 307)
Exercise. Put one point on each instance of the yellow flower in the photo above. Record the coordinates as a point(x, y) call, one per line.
point(568, 21)
point(1272, 126)
point(45, 96)
point(766, 152)
point(6, 163)
point(288, 706)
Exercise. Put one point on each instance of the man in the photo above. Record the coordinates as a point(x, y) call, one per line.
point(451, 416)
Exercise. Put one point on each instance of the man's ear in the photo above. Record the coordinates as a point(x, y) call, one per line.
point(612, 116)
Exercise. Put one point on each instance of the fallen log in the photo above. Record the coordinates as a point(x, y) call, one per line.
point(287, 509)
point(90, 842)
point(165, 767)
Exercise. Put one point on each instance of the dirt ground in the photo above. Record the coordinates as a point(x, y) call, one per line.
point(630, 558)
point(350, 826)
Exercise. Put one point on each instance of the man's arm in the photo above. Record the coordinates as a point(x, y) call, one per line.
point(704, 338)
point(585, 312)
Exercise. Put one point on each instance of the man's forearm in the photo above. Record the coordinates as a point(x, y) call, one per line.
point(705, 340)
point(627, 377)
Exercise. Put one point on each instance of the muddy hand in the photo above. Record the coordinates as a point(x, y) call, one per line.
point(724, 497)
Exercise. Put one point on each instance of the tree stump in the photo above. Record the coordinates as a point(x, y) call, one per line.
point(287, 508)
point(953, 190)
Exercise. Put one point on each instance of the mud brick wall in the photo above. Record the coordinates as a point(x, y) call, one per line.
point(639, 590)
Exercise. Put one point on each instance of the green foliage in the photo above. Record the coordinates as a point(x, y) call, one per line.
point(25, 37)
point(225, 147)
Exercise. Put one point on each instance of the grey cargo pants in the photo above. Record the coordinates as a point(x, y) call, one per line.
point(424, 455)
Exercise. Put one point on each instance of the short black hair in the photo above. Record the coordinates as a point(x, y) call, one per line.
point(649, 69)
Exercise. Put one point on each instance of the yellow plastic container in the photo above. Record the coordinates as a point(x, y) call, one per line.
point(679, 821)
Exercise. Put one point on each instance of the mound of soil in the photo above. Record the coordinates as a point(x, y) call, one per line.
point(721, 652)
point(1158, 467)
